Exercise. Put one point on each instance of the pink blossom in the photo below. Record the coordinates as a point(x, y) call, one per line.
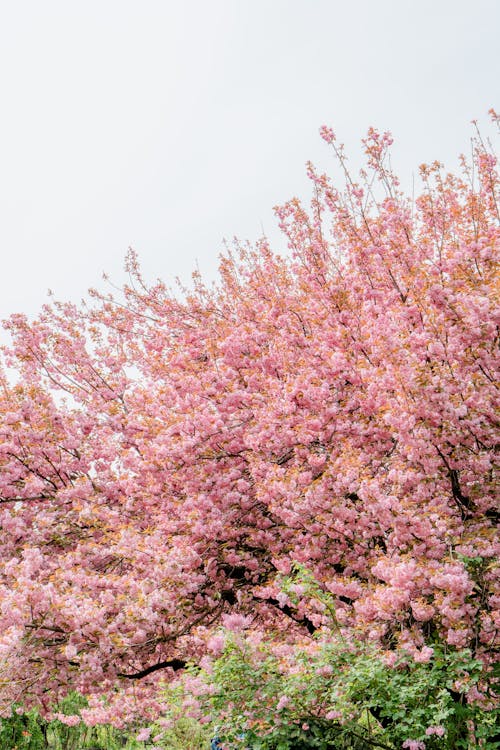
point(236, 622)
point(70, 651)
point(70, 720)
point(325, 670)
point(437, 730)
point(327, 134)
point(216, 644)
point(283, 701)
point(422, 612)
point(424, 655)
point(144, 734)
point(333, 715)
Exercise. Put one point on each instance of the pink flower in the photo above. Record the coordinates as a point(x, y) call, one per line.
point(144, 734)
point(70, 651)
point(236, 622)
point(390, 658)
point(327, 134)
point(325, 671)
point(333, 715)
point(216, 644)
point(421, 611)
point(439, 731)
point(424, 655)
point(283, 701)
point(70, 721)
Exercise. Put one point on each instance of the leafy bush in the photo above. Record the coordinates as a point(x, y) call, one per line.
point(348, 696)
point(184, 732)
point(335, 693)
point(29, 731)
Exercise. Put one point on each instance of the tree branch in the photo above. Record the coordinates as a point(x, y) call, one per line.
point(175, 664)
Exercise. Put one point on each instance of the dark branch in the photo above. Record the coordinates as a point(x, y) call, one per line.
point(461, 500)
point(33, 499)
point(175, 664)
point(457, 490)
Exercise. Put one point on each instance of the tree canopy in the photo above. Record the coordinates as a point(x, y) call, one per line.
point(167, 459)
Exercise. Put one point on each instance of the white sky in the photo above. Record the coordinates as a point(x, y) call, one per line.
point(170, 125)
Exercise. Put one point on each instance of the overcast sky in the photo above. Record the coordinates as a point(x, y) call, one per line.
point(168, 125)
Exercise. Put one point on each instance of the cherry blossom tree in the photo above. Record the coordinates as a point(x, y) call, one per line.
point(167, 460)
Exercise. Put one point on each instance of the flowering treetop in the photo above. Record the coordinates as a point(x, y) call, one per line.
point(165, 462)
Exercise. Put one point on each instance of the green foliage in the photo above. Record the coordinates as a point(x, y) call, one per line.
point(184, 733)
point(23, 731)
point(339, 697)
point(336, 697)
point(29, 731)
point(179, 730)
point(335, 694)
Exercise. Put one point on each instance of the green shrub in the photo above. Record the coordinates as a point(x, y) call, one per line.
point(344, 696)
point(29, 731)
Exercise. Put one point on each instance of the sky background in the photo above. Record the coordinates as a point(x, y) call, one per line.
point(168, 126)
